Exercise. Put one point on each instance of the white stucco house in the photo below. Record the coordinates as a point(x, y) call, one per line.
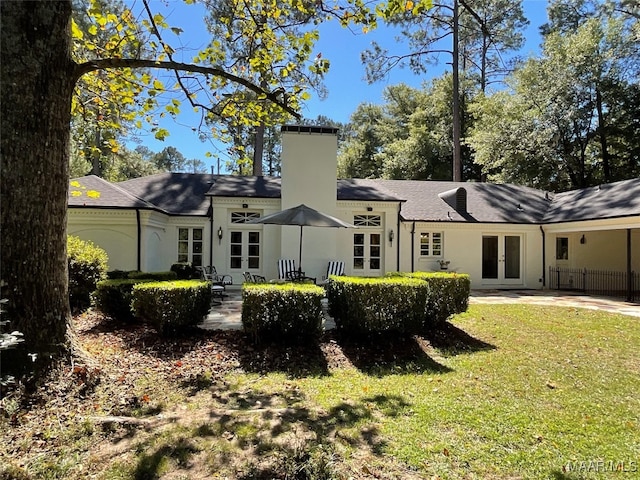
point(503, 236)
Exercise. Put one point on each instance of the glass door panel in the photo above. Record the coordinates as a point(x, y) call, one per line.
point(358, 251)
point(490, 257)
point(235, 250)
point(253, 250)
point(374, 251)
point(512, 257)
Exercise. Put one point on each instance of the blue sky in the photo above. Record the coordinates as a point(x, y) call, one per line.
point(345, 81)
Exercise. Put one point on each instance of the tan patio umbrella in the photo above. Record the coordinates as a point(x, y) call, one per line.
point(304, 217)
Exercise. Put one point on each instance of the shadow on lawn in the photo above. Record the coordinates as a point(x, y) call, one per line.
point(449, 340)
point(282, 428)
point(389, 353)
point(295, 360)
point(265, 435)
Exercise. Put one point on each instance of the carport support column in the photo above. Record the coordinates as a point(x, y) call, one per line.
point(629, 276)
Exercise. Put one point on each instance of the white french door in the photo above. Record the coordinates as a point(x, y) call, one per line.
point(502, 259)
point(244, 251)
point(367, 253)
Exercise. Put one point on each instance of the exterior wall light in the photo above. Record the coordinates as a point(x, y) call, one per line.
point(391, 236)
point(583, 239)
point(219, 234)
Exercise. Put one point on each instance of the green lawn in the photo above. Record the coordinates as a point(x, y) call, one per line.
point(552, 393)
point(521, 392)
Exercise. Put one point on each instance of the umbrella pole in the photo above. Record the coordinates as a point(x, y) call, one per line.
point(300, 253)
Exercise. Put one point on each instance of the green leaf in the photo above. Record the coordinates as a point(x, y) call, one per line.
point(75, 30)
point(161, 134)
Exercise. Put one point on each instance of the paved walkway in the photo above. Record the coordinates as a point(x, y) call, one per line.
point(228, 315)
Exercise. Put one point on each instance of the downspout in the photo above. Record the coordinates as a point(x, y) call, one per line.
point(629, 272)
point(210, 215)
point(544, 246)
point(398, 239)
point(413, 250)
point(139, 253)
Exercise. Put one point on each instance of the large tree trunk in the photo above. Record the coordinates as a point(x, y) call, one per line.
point(36, 86)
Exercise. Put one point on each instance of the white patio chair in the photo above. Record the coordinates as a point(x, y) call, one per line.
point(287, 269)
point(335, 267)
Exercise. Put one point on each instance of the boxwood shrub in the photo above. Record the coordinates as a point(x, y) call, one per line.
point(376, 305)
point(449, 294)
point(87, 266)
point(158, 276)
point(288, 312)
point(114, 297)
point(167, 306)
point(116, 274)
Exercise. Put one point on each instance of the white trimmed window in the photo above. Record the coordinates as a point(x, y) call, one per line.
point(367, 220)
point(562, 248)
point(431, 244)
point(244, 217)
point(190, 245)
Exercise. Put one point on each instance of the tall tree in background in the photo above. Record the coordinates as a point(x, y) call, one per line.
point(481, 34)
point(244, 35)
point(358, 156)
point(169, 160)
point(566, 123)
point(37, 81)
point(407, 137)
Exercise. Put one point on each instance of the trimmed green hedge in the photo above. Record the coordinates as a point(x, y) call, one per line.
point(374, 305)
point(114, 297)
point(167, 306)
point(290, 312)
point(87, 265)
point(135, 274)
point(158, 276)
point(400, 302)
point(449, 294)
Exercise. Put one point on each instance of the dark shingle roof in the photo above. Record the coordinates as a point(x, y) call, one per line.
point(237, 186)
point(187, 194)
point(270, 187)
point(486, 202)
point(94, 192)
point(175, 193)
point(619, 199)
point(365, 189)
